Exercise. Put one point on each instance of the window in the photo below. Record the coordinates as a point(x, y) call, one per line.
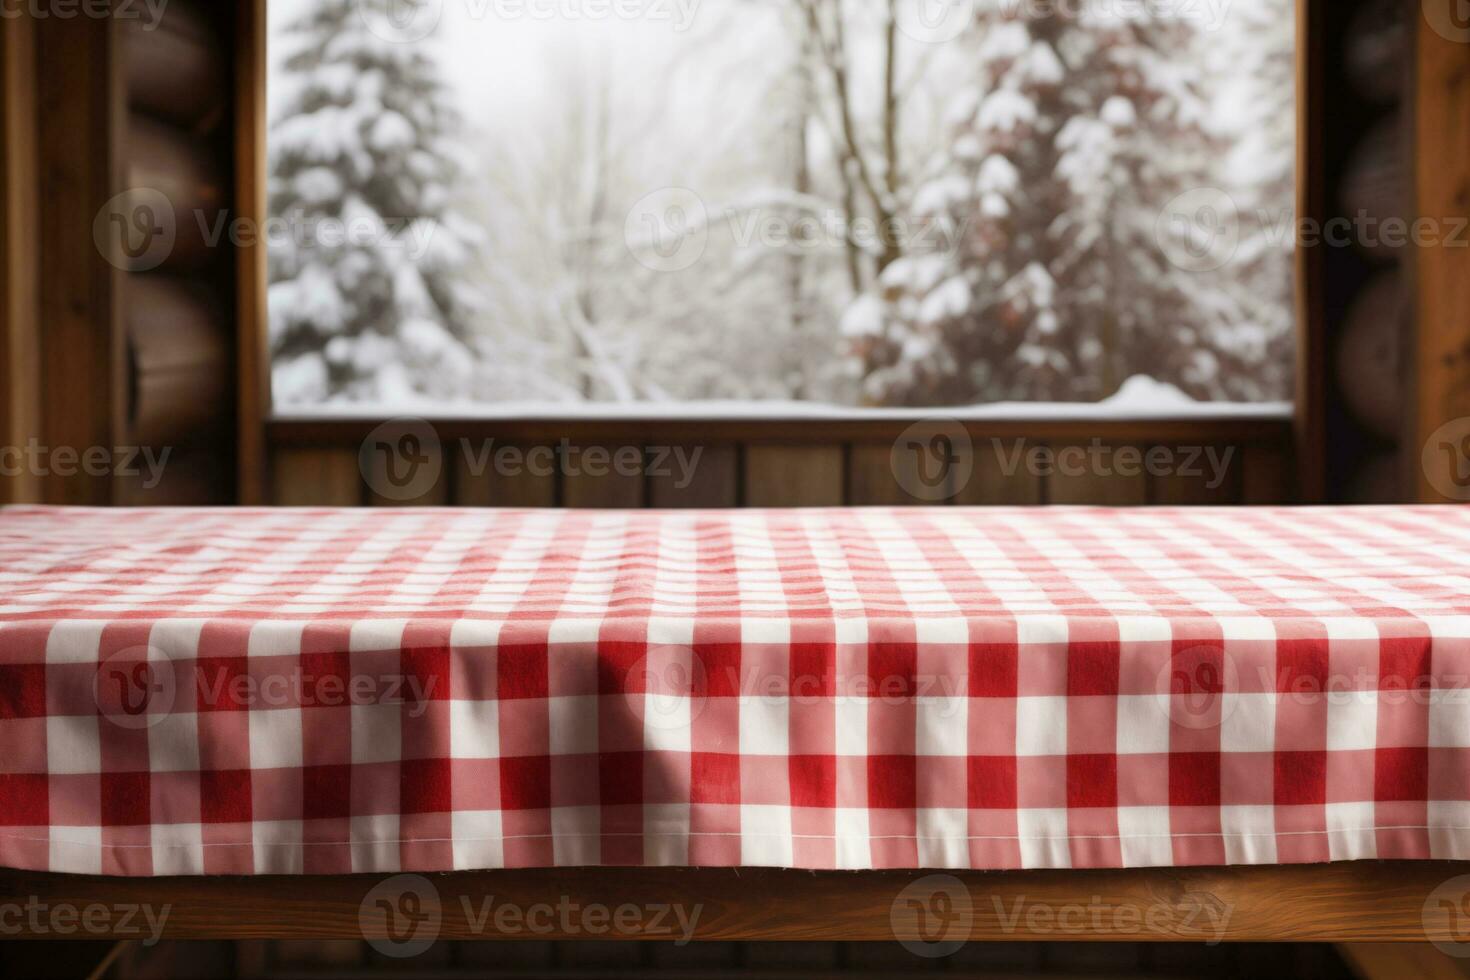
point(747, 206)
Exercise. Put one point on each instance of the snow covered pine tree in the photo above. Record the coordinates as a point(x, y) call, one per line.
point(1082, 124)
point(367, 296)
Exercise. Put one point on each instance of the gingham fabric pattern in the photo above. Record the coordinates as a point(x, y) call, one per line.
point(322, 691)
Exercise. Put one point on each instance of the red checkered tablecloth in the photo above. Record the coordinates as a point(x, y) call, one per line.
point(315, 691)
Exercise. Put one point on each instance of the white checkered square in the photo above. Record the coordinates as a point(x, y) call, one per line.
point(1043, 837)
point(765, 726)
point(1041, 726)
point(73, 744)
point(1352, 720)
point(1449, 718)
point(75, 641)
point(943, 837)
point(77, 849)
point(1250, 833)
point(1248, 722)
point(1351, 833)
point(1143, 724)
point(275, 738)
point(765, 836)
point(178, 848)
point(942, 726)
point(1143, 836)
point(477, 839)
point(474, 729)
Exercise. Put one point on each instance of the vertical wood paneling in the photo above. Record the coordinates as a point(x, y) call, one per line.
point(871, 479)
point(252, 347)
point(995, 472)
point(599, 475)
point(1210, 478)
point(1442, 154)
point(507, 475)
point(20, 352)
point(80, 112)
point(317, 478)
point(1109, 489)
point(1267, 475)
point(709, 479)
point(1001, 475)
point(1310, 421)
point(436, 495)
point(794, 476)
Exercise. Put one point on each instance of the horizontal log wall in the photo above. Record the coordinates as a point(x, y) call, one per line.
point(178, 332)
point(795, 464)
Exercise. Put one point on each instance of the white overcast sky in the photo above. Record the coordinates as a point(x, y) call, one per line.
point(495, 66)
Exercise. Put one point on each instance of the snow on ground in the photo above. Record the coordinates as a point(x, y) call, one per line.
point(1139, 398)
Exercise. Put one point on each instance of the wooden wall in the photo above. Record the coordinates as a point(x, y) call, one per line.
point(1439, 423)
point(601, 959)
point(117, 322)
point(20, 394)
point(796, 464)
point(177, 314)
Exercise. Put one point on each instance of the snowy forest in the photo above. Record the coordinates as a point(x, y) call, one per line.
point(853, 203)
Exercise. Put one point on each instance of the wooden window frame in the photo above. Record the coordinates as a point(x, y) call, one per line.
point(1297, 435)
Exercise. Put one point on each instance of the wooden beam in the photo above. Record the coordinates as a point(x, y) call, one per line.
point(1441, 360)
point(1401, 961)
point(20, 392)
point(252, 277)
point(80, 111)
point(1368, 901)
point(1311, 356)
point(1250, 428)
